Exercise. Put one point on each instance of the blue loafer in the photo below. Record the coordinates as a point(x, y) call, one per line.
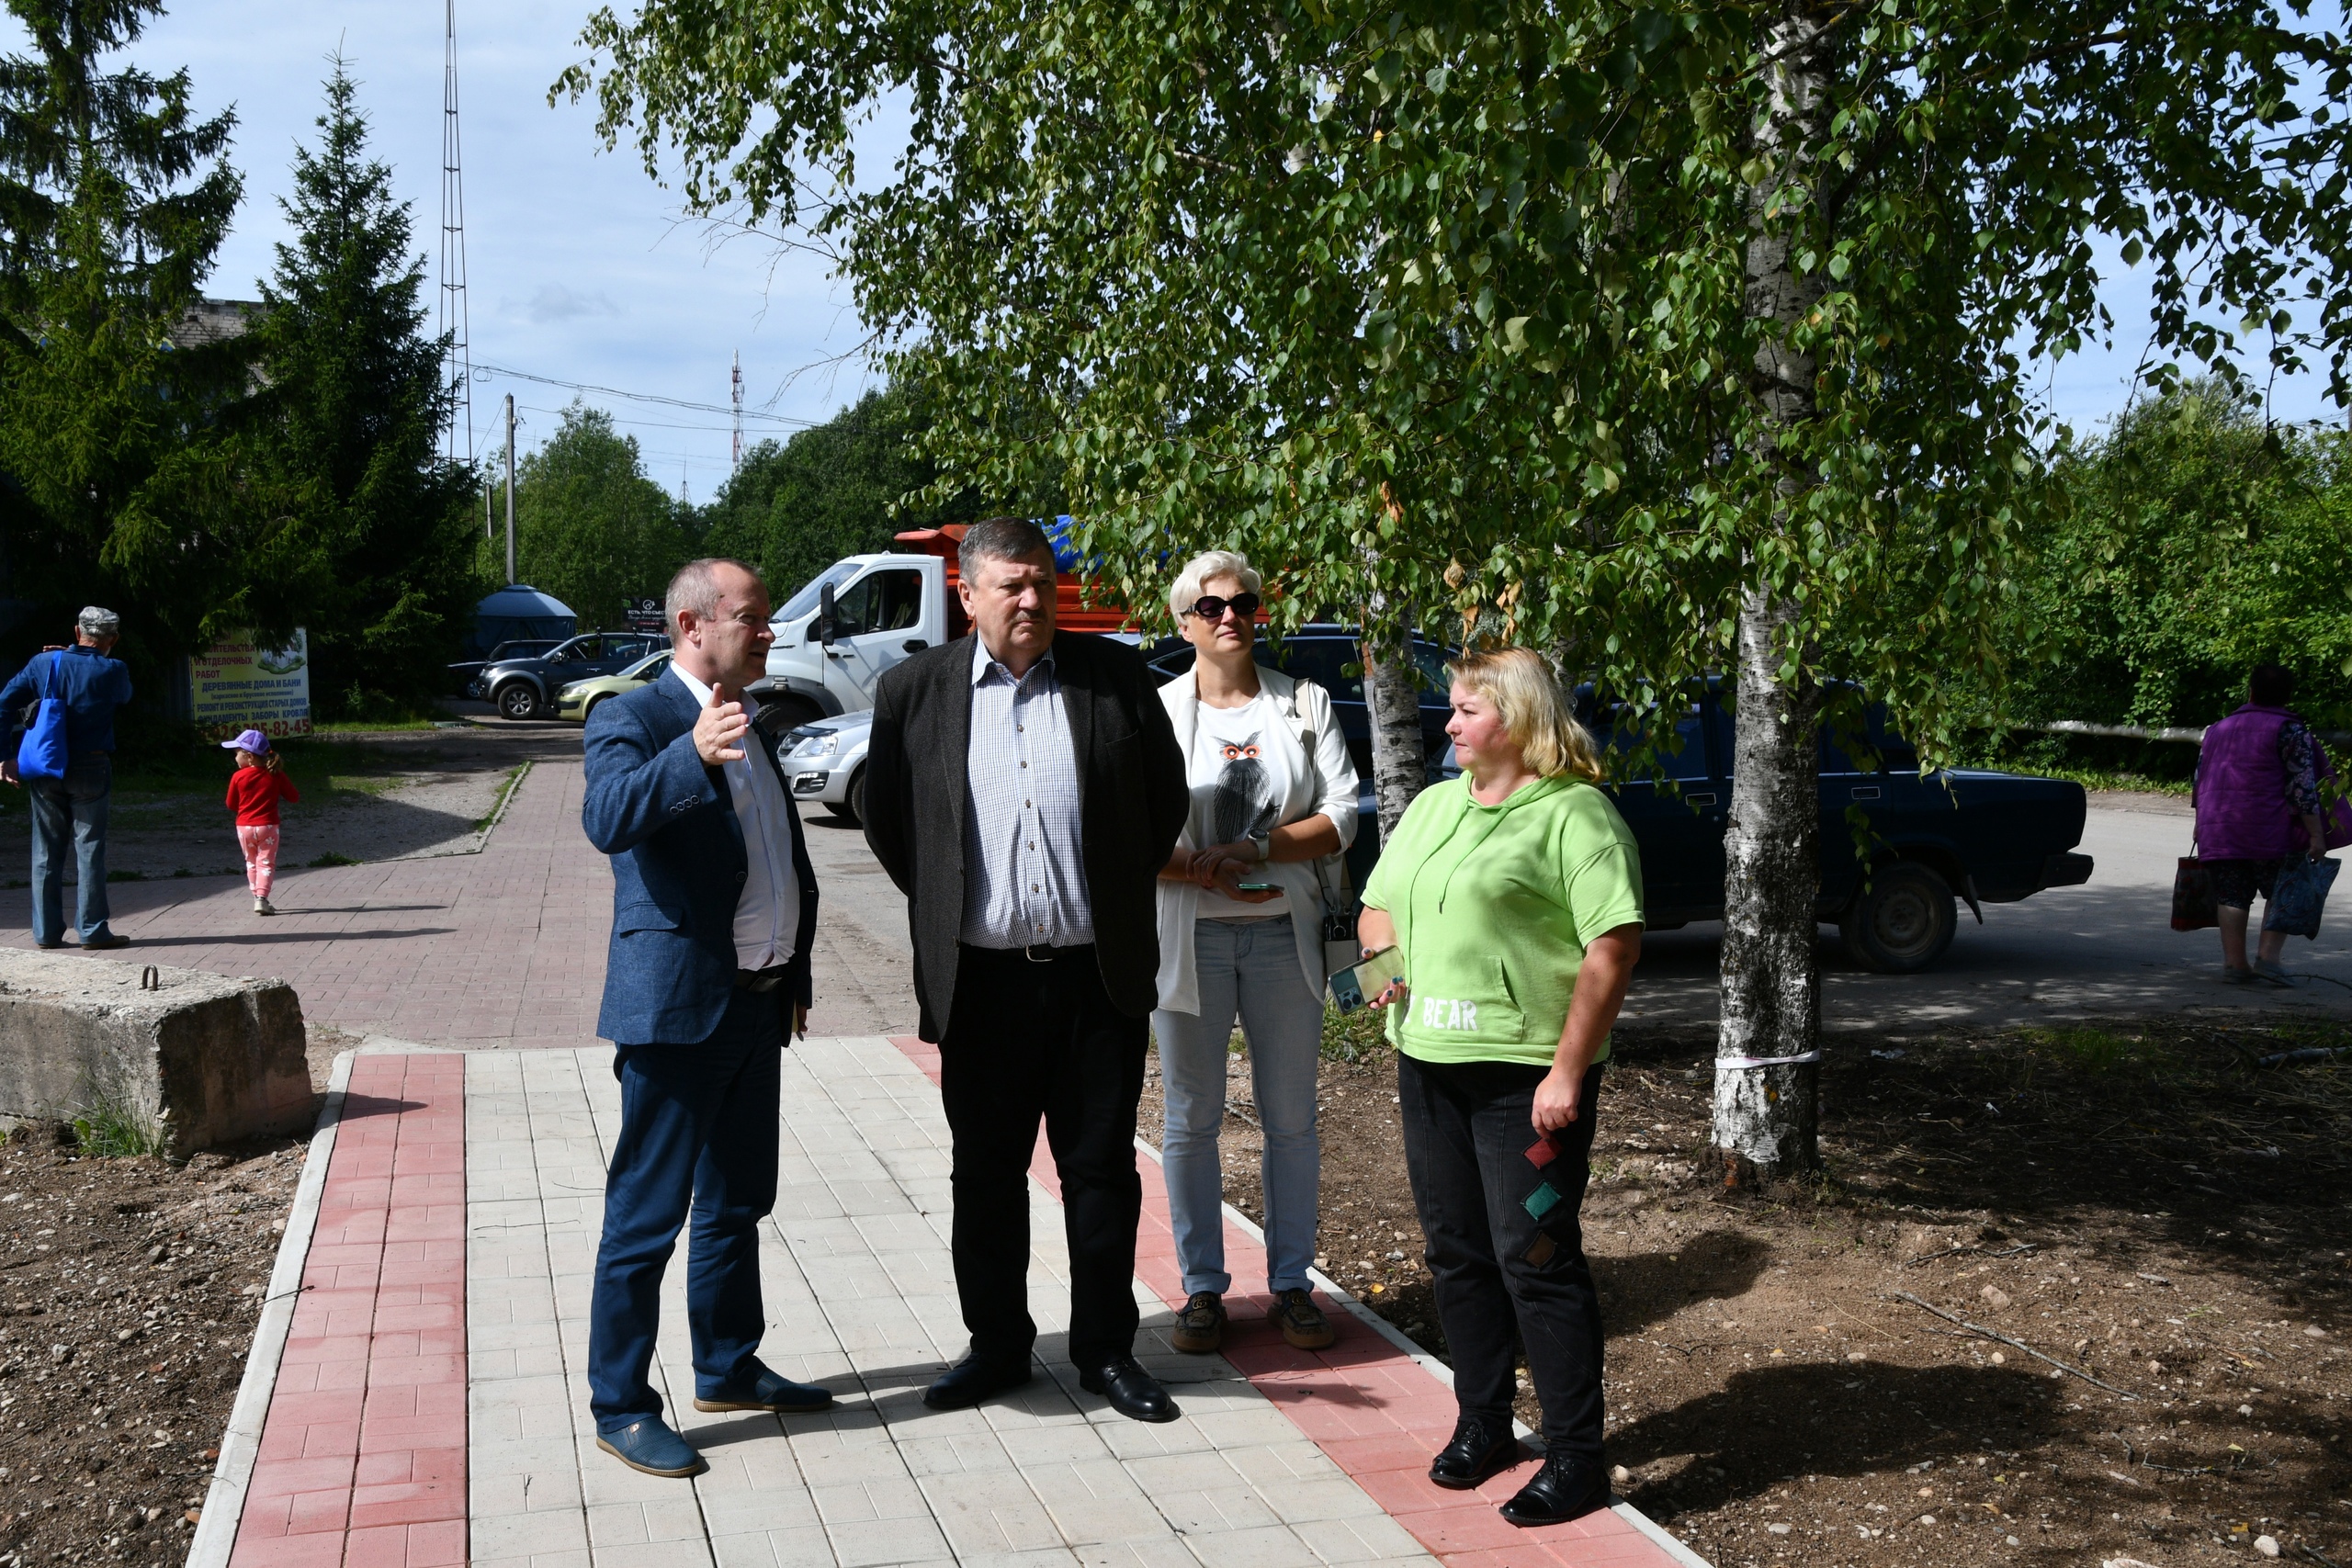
point(769, 1391)
point(651, 1446)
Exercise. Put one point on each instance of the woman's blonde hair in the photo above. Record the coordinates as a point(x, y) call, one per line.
point(1200, 568)
point(1534, 709)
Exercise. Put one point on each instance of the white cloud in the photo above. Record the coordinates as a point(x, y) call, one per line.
point(559, 302)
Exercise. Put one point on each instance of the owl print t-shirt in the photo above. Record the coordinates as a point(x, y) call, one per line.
point(1240, 781)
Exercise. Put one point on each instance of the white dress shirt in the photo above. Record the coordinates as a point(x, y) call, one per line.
point(767, 912)
point(1025, 877)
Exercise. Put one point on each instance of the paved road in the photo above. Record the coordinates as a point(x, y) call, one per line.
point(2107, 947)
point(507, 946)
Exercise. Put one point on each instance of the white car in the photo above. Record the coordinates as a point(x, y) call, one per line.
point(824, 761)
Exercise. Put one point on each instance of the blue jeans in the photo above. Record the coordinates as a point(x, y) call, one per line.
point(698, 1133)
point(71, 808)
point(1248, 969)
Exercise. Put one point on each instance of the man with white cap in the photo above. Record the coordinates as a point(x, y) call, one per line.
point(72, 810)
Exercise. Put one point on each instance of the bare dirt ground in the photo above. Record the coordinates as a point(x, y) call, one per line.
point(128, 1292)
point(2138, 1202)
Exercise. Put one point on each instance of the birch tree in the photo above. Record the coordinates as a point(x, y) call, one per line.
point(1692, 338)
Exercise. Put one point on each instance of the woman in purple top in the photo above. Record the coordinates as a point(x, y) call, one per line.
point(2257, 803)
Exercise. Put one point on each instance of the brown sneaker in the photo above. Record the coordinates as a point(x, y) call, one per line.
point(1200, 1327)
point(1301, 1322)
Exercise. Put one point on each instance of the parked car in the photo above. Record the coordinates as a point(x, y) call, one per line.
point(824, 762)
point(1323, 652)
point(526, 688)
point(576, 699)
point(465, 670)
point(1961, 834)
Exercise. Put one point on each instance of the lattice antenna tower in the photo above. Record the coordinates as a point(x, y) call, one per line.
point(737, 466)
point(458, 366)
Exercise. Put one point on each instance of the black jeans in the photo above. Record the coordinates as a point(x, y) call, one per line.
point(1500, 1265)
point(1025, 1040)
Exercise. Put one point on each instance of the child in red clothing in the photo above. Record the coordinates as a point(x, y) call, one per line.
point(255, 790)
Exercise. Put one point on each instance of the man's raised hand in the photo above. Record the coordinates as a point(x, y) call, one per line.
point(718, 728)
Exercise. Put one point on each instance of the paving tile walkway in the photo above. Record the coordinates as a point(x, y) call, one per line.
point(367, 1458)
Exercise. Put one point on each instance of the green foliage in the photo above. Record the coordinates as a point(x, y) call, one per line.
point(833, 490)
point(2090, 1049)
point(111, 1130)
point(1459, 306)
point(117, 444)
point(590, 526)
point(2201, 541)
point(374, 549)
point(1353, 1036)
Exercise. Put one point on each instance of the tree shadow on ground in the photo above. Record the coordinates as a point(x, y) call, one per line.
point(1833, 1418)
point(1651, 1287)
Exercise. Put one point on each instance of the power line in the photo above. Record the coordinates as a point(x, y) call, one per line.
point(645, 397)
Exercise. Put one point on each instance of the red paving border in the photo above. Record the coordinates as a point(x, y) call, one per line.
point(1378, 1412)
point(363, 1454)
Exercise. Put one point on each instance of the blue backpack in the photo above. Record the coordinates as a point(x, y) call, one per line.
point(41, 753)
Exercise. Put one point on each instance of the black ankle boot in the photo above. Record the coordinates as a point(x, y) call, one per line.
point(1480, 1447)
point(1567, 1487)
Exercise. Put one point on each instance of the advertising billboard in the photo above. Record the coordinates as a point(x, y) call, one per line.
point(238, 685)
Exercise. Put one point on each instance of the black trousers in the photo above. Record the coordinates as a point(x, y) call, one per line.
point(1026, 1040)
point(1499, 1205)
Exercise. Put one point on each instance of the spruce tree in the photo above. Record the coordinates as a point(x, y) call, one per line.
point(115, 444)
point(372, 546)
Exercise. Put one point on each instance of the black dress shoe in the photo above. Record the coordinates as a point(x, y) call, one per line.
point(973, 1379)
point(1563, 1489)
point(1479, 1448)
point(1133, 1393)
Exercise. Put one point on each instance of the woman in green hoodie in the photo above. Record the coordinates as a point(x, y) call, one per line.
point(1513, 894)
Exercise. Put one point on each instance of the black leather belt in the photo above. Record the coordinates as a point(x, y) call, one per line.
point(1037, 954)
point(760, 980)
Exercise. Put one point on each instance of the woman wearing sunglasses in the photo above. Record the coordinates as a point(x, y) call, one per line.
point(1240, 937)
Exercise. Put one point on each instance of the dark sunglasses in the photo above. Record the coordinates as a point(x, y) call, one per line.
point(1209, 608)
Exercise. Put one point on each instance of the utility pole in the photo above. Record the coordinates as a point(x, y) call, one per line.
point(457, 361)
point(510, 489)
point(737, 466)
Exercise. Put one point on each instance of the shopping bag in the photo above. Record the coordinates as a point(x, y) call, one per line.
point(41, 753)
point(2193, 909)
point(2335, 814)
point(2299, 896)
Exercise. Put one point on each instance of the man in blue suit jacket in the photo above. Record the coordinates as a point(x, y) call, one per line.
point(714, 907)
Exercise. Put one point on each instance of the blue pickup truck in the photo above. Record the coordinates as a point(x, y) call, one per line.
point(1956, 835)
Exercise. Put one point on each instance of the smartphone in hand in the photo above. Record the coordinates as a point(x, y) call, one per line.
point(1259, 886)
point(1359, 983)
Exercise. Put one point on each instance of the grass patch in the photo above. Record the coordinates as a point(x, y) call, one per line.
point(115, 1131)
point(374, 727)
point(505, 788)
point(2092, 1050)
point(1353, 1036)
point(126, 876)
point(331, 858)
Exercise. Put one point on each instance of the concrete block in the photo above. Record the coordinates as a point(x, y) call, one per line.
point(203, 1058)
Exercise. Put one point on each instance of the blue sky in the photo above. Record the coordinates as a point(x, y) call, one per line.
point(580, 268)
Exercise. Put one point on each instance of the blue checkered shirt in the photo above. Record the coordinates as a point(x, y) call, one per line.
point(1025, 880)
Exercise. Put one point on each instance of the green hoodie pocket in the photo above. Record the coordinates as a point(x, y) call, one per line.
point(1470, 1001)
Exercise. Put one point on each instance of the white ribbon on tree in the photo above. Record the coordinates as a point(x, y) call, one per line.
point(1737, 1063)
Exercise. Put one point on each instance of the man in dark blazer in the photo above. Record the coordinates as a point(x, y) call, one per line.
point(1024, 788)
point(714, 908)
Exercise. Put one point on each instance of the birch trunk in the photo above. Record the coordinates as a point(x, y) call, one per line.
point(1766, 1118)
point(1393, 698)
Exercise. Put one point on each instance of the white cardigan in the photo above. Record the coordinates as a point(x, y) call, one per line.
point(1323, 779)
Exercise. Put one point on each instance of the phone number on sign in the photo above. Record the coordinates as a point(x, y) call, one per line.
point(275, 729)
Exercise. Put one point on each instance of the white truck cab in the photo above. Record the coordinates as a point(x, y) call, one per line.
point(839, 634)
